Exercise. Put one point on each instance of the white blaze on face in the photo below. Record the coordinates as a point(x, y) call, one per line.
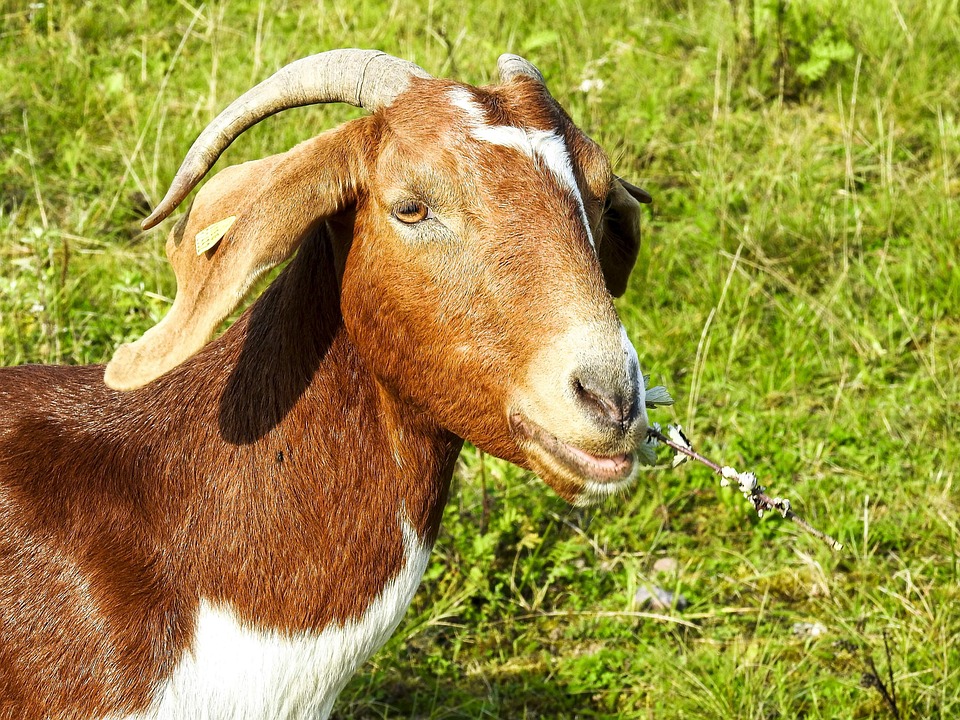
point(543, 146)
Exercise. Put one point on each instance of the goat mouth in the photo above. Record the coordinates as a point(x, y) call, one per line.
point(612, 470)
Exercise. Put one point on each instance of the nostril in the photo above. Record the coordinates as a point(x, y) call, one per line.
point(607, 404)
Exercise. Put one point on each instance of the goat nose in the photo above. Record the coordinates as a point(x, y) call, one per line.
point(609, 402)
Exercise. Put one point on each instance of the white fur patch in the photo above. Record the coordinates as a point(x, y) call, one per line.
point(545, 146)
point(594, 492)
point(234, 671)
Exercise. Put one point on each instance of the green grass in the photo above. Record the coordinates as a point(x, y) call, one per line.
point(798, 292)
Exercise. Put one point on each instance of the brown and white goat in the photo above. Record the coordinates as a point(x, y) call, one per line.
point(229, 529)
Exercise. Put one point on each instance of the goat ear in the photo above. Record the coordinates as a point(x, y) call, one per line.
point(620, 234)
point(277, 201)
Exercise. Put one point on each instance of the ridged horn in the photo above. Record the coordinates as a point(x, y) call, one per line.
point(364, 78)
point(511, 66)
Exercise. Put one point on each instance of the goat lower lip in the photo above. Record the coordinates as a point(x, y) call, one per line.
point(598, 468)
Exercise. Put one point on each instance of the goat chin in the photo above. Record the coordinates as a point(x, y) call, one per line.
point(229, 528)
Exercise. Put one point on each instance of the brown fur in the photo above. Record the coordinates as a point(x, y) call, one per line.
point(241, 478)
point(266, 471)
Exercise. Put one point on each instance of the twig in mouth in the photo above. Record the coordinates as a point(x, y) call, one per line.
point(751, 489)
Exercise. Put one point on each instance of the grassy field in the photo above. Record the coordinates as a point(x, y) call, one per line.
point(798, 292)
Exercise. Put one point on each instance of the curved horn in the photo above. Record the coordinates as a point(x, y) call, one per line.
point(511, 66)
point(365, 78)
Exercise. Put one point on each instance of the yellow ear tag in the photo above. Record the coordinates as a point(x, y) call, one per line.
point(211, 235)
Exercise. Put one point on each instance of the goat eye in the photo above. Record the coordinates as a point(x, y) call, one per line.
point(411, 211)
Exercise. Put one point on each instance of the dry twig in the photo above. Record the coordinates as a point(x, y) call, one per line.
point(751, 489)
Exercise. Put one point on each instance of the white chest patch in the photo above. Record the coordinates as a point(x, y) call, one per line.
point(235, 672)
point(544, 146)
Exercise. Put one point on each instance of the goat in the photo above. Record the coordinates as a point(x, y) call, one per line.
point(229, 528)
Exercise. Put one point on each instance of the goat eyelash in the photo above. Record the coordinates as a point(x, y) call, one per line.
point(411, 212)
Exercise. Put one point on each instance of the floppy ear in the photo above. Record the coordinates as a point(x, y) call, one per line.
point(620, 234)
point(276, 201)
